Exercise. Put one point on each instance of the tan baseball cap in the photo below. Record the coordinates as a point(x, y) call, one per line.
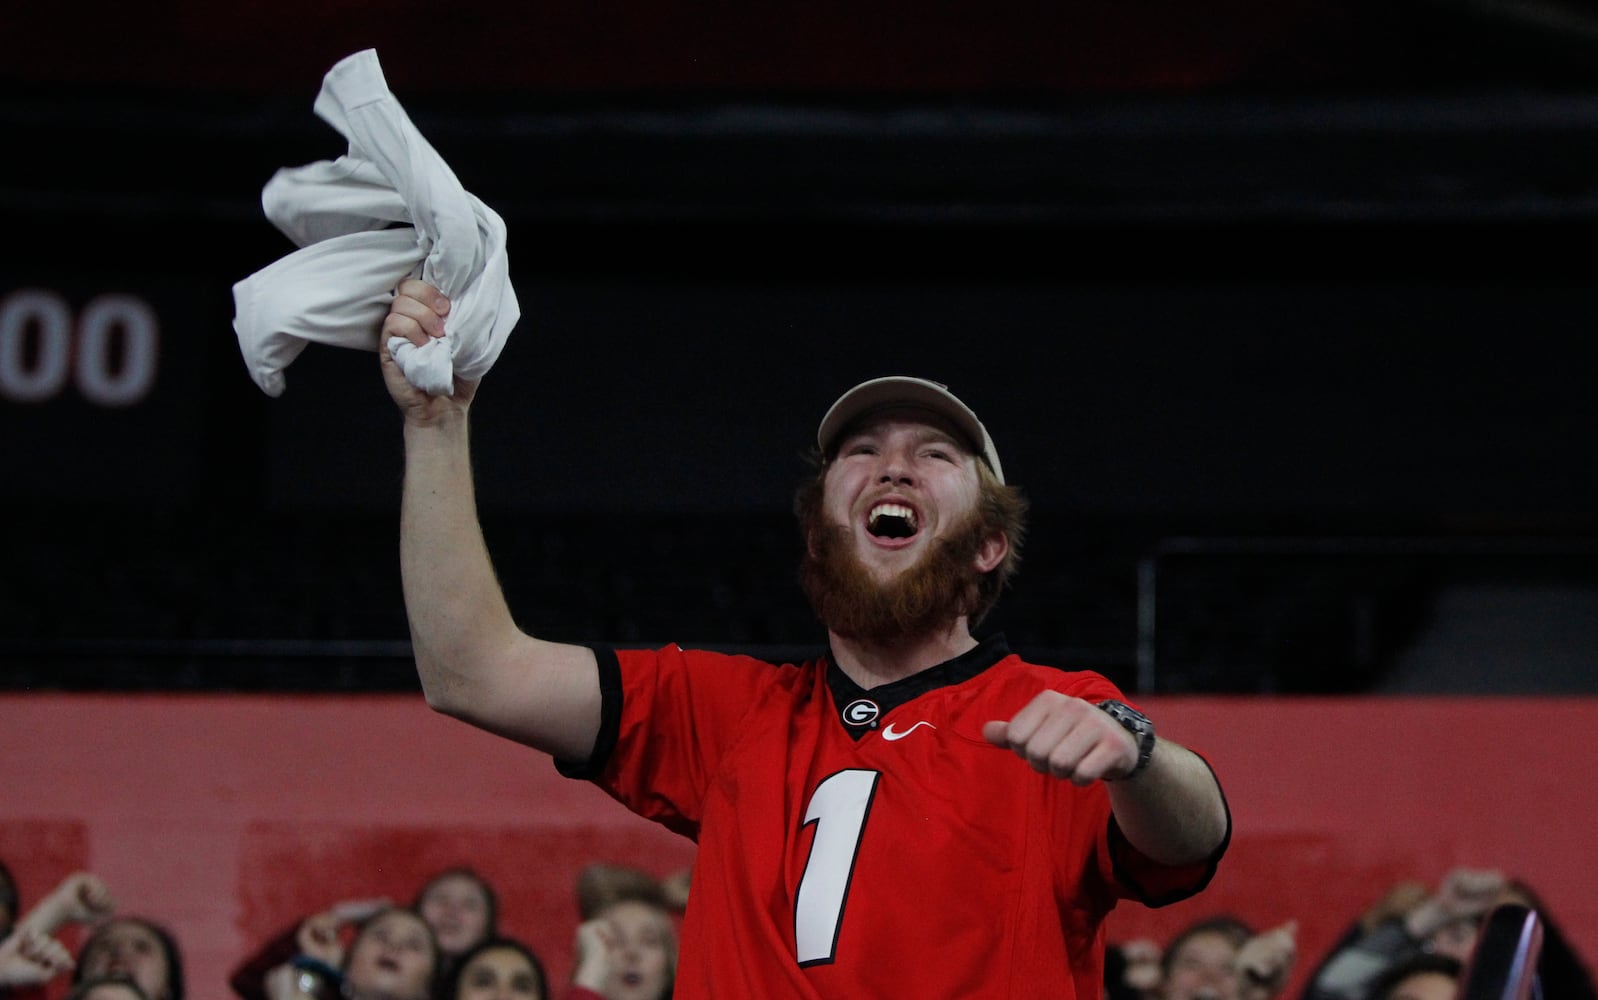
point(906, 390)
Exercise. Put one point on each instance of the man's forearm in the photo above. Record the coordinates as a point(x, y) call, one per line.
point(452, 598)
point(1173, 812)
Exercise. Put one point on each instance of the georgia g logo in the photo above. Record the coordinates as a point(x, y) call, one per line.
point(861, 712)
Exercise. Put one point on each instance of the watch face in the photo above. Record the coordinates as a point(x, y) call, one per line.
point(1138, 725)
point(1125, 714)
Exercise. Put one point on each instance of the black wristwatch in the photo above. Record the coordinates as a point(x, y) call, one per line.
point(1138, 725)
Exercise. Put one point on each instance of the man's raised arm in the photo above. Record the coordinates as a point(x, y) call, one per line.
point(475, 663)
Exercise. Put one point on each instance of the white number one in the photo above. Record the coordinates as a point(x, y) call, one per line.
point(838, 807)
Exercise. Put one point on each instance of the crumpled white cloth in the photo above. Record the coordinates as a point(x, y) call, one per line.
point(389, 209)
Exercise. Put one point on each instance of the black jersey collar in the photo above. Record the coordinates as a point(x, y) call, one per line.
point(860, 709)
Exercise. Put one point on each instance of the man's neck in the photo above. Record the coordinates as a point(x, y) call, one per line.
point(872, 665)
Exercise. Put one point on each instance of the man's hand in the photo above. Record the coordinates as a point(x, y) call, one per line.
point(417, 314)
point(1068, 738)
point(1173, 813)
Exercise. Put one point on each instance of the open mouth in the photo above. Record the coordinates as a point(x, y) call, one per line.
point(891, 520)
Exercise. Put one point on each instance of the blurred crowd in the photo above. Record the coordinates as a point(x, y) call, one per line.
point(1414, 942)
point(446, 943)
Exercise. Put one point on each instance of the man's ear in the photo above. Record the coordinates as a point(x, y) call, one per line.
point(992, 551)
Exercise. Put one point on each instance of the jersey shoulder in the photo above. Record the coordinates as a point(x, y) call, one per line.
point(1013, 673)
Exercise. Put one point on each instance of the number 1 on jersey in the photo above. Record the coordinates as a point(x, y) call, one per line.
point(838, 807)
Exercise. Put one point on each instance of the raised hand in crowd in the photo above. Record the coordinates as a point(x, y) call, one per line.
point(1449, 917)
point(393, 956)
point(1140, 972)
point(1265, 960)
point(459, 905)
point(627, 953)
point(592, 947)
point(674, 888)
point(1405, 922)
point(1213, 958)
point(80, 898)
point(30, 954)
point(31, 958)
point(319, 937)
point(626, 945)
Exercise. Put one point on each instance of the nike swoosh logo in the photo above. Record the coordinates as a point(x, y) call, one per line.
point(889, 735)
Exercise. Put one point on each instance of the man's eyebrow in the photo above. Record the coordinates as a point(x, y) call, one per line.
point(932, 433)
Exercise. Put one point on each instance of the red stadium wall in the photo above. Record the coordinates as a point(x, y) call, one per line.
point(228, 816)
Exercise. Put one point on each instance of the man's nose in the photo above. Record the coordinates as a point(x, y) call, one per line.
point(895, 469)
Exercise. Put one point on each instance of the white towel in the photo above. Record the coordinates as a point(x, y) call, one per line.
point(390, 208)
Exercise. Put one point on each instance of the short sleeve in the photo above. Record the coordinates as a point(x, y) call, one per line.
point(667, 718)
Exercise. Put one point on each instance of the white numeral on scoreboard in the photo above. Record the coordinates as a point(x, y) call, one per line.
point(110, 353)
point(838, 807)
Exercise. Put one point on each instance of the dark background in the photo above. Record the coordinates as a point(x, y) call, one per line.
point(1279, 312)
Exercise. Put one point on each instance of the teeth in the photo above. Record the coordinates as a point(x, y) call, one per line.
point(900, 511)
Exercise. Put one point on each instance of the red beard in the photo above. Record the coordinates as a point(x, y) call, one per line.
point(923, 600)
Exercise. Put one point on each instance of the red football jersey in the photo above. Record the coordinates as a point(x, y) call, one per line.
point(858, 843)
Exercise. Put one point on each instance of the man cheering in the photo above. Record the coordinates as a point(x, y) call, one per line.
point(912, 813)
